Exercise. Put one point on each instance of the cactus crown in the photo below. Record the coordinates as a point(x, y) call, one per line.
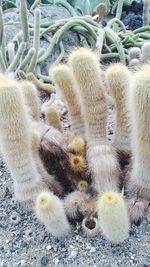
point(44, 201)
point(110, 198)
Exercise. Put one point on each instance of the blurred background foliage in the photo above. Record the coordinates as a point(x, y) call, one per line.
point(86, 6)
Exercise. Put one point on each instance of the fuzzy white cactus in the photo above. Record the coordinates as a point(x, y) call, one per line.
point(63, 79)
point(113, 217)
point(87, 73)
point(15, 140)
point(31, 98)
point(119, 80)
point(139, 182)
point(50, 211)
point(101, 155)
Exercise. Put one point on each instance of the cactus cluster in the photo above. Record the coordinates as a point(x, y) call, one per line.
point(80, 176)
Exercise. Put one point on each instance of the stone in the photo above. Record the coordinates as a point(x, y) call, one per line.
point(44, 261)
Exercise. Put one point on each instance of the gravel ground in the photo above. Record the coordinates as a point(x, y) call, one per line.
point(24, 242)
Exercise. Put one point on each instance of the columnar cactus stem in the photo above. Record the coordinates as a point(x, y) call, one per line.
point(146, 10)
point(118, 13)
point(101, 156)
point(2, 63)
point(25, 62)
point(31, 97)
point(51, 212)
point(119, 80)
point(24, 20)
point(35, 4)
point(11, 51)
point(1, 27)
point(17, 57)
point(63, 78)
point(15, 139)
point(139, 183)
point(113, 215)
point(86, 70)
point(36, 41)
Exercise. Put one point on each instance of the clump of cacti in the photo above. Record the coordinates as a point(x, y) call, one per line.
point(88, 77)
point(79, 175)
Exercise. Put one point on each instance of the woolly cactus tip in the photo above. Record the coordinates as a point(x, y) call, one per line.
point(45, 201)
point(81, 54)
point(110, 198)
point(53, 117)
point(50, 211)
point(143, 74)
point(77, 146)
point(61, 76)
point(113, 216)
point(78, 163)
point(7, 81)
point(116, 72)
point(83, 186)
point(58, 70)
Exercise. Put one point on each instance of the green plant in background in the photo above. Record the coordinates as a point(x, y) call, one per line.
point(8, 4)
point(111, 42)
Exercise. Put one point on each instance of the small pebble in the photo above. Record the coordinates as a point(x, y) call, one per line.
point(92, 250)
point(22, 262)
point(56, 261)
point(44, 261)
point(48, 247)
point(73, 254)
